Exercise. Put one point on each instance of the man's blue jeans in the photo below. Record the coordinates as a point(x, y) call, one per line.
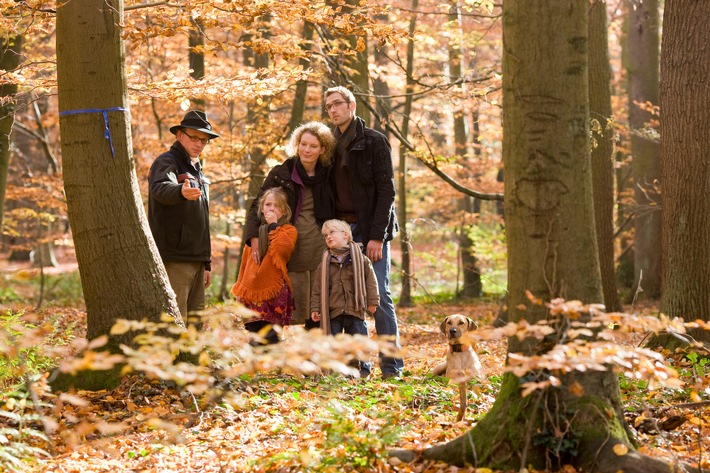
point(385, 316)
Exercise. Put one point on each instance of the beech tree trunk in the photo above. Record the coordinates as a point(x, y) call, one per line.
point(405, 298)
point(471, 273)
point(258, 112)
point(299, 98)
point(9, 60)
point(551, 251)
point(121, 271)
point(685, 153)
point(383, 101)
point(359, 63)
point(643, 70)
point(603, 153)
point(196, 57)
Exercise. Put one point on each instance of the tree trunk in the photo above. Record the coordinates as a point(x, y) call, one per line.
point(196, 57)
point(469, 264)
point(121, 272)
point(359, 64)
point(551, 248)
point(299, 98)
point(643, 87)
point(405, 298)
point(257, 112)
point(380, 87)
point(9, 60)
point(685, 153)
point(603, 153)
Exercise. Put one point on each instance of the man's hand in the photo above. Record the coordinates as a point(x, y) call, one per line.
point(255, 249)
point(190, 193)
point(208, 278)
point(374, 250)
point(315, 316)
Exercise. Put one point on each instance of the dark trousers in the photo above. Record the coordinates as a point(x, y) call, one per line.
point(269, 338)
point(352, 326)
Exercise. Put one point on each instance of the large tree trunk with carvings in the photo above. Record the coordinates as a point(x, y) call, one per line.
point(552, 253)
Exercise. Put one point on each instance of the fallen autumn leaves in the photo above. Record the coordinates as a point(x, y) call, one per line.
point(274, 421)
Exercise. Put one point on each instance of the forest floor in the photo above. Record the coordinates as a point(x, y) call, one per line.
point(288, 423)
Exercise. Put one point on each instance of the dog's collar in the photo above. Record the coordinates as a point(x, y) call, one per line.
point(459, 347)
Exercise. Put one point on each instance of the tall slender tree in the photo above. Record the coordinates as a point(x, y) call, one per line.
point(405, 298)
point(472, 286)
point(258, 111)
point(196, 56)
point(9, 59)
point(643, 70)
point(603, 150)
point(359, 63)
point(298, 107)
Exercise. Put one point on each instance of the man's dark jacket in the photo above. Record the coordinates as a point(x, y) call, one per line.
point(181, 227)
point(372, 177)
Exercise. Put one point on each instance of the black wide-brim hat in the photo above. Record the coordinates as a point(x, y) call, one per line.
point(195, 120)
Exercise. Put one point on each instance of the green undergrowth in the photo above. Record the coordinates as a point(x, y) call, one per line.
point(28, 287)
point(356, 420)
point(692, 367)
point(19, 358)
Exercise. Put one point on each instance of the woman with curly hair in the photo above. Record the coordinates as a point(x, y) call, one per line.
point(304, 178)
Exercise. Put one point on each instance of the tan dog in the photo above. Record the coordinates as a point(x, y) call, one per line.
point(461, 363)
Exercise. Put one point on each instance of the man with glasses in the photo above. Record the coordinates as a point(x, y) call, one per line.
point(363, 183)
point(178, 211)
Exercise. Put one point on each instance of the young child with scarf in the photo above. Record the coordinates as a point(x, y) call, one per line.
point(345, 290)
point(264, 286)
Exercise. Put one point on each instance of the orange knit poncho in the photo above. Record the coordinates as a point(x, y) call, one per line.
point(261, 282)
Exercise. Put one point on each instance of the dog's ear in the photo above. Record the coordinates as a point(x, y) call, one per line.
point(442, 325)
point(471, 324)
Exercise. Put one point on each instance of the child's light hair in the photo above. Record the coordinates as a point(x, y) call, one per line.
point(338, 226)
point(281, 201)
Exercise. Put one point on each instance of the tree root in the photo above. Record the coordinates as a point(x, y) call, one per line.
point(609, 461)
point(606, 460)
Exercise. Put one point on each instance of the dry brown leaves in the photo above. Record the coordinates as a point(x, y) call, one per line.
point(277, 421)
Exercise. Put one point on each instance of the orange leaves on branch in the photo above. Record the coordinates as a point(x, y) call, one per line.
point(360, 44)
point(91, 360)
point(586, 344)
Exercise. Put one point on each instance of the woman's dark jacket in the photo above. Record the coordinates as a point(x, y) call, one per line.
point(281, 175)
point(180, 227)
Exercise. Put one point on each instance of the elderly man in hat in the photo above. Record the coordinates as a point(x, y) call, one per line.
point(178, 211)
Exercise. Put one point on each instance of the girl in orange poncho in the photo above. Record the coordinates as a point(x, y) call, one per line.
point(265, 287)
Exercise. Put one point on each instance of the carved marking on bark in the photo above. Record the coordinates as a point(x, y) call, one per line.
point(540, 195)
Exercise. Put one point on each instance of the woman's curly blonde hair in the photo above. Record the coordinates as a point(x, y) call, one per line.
point(321, 132)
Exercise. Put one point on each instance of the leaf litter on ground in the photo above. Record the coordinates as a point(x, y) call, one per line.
point(280, 421)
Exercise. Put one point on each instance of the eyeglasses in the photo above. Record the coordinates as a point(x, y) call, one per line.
point(334, 104)
point(195, 139)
